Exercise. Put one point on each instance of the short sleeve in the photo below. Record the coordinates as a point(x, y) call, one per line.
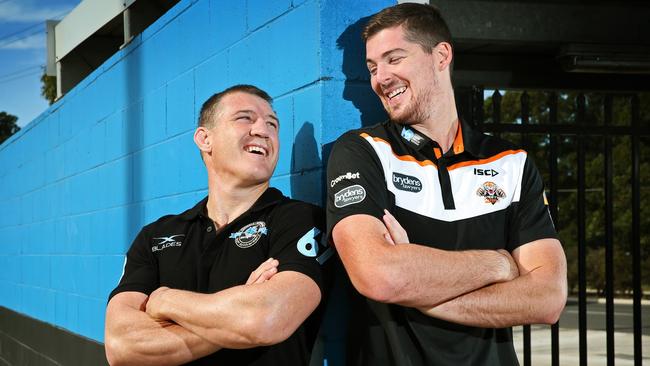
point(355, 181)
point(295, 237)
point(531, 219)
point(140, 269)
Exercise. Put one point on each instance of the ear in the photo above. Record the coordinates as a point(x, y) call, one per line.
point(203, 139)
point(445, 54)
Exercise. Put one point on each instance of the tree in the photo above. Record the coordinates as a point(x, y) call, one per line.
point(7, 126)
point(537, 145)
point(48, 87)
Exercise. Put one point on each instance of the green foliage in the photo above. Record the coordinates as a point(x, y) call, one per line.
point(538, 147)
point(48, 87)
point(7, 126)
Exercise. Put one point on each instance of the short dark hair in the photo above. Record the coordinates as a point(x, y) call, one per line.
point(211, 106)
point(423, 24)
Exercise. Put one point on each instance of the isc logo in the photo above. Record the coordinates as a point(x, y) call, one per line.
point(488, 172)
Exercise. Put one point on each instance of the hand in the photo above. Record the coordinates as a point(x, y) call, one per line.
point(154, 303)
point(264, 272)
point(396, 233)
point(510, 266)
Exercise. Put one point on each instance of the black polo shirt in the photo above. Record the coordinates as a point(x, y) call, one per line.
point(481, 194)
point(186, 252)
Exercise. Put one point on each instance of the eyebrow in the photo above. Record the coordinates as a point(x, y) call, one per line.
point(387, 53)
point(250, 111)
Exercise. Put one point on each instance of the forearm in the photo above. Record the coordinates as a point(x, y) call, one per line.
point(244, 316)
point(536, 297)
point(429, 276)
point(134, 338)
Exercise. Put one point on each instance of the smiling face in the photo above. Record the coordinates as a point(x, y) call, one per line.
point(403, 76)
point(244, 142)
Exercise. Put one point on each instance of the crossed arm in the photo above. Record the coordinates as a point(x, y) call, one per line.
point(475, 287)
point(171, 327)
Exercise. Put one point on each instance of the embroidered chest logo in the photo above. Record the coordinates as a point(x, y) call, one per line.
point(491, 192)
point(407, 183)
point(412, 137)
point(166, 242)
point(248, 235)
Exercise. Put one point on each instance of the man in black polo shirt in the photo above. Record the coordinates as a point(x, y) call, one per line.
point(233, 280)
point(444, 230)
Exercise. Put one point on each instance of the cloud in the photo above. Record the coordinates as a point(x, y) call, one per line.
point(36, 41)
point(28, 12)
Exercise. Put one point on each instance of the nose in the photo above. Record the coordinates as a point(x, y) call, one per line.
point(382, 75)
point(260, 128)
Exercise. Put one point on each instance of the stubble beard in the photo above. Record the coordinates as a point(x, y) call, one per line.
point(416, 112)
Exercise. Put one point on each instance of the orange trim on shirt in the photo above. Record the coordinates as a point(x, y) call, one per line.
point(437, 152)
point(484, 161)
point(400, 157)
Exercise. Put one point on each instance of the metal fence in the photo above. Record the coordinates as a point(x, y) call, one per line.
point(593, 152)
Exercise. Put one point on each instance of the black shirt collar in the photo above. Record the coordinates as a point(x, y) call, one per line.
point(269, 197)
point(469, 141)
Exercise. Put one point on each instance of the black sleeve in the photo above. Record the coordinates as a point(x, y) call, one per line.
point(355, 181)
point(140, 269)
point(531, 219)
point(295, 234)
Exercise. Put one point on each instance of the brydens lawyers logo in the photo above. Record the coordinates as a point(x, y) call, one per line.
point(349, 196)
point(248, 235)
point(491, 192)
point(407, 183)
point(166, 242)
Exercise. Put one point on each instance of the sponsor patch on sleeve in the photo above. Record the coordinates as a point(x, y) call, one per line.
point(349, 196)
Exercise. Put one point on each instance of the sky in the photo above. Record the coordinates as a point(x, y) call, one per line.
point(23, 54)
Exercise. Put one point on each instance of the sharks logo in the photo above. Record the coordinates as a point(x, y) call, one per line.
point(248, 235)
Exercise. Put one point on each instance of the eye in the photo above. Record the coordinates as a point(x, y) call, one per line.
point(395, 60)
point(372, 69)
point(244, 118)
point(272, 124)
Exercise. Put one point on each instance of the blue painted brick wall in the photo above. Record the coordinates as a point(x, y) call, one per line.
point(116, 152)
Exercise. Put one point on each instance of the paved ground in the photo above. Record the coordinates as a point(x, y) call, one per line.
point(596, 336)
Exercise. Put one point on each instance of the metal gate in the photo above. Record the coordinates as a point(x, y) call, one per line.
point(593, 150)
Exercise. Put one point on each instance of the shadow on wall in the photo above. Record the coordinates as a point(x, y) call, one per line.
point(357, 82)
point(306, 166)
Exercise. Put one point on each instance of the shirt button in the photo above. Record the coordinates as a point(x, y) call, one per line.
point(209, 229)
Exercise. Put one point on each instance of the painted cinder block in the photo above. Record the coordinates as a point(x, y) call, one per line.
point(210, 77)
point(281, 57)
point(307, 129)
point(189, 33)
point(132, 122)
point(91, 317)
point(261, 12)
point(55, 164)
point(284, 109)
point(154, 110)
point(52, 121)
point(307, 186)
point(116, 144)
point(191, 169)
point(88, 265)
point(180, 104)
point(110, 272)
point(228, 20)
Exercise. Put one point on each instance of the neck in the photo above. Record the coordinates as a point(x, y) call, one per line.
point(442, 124)
point(226, 202)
